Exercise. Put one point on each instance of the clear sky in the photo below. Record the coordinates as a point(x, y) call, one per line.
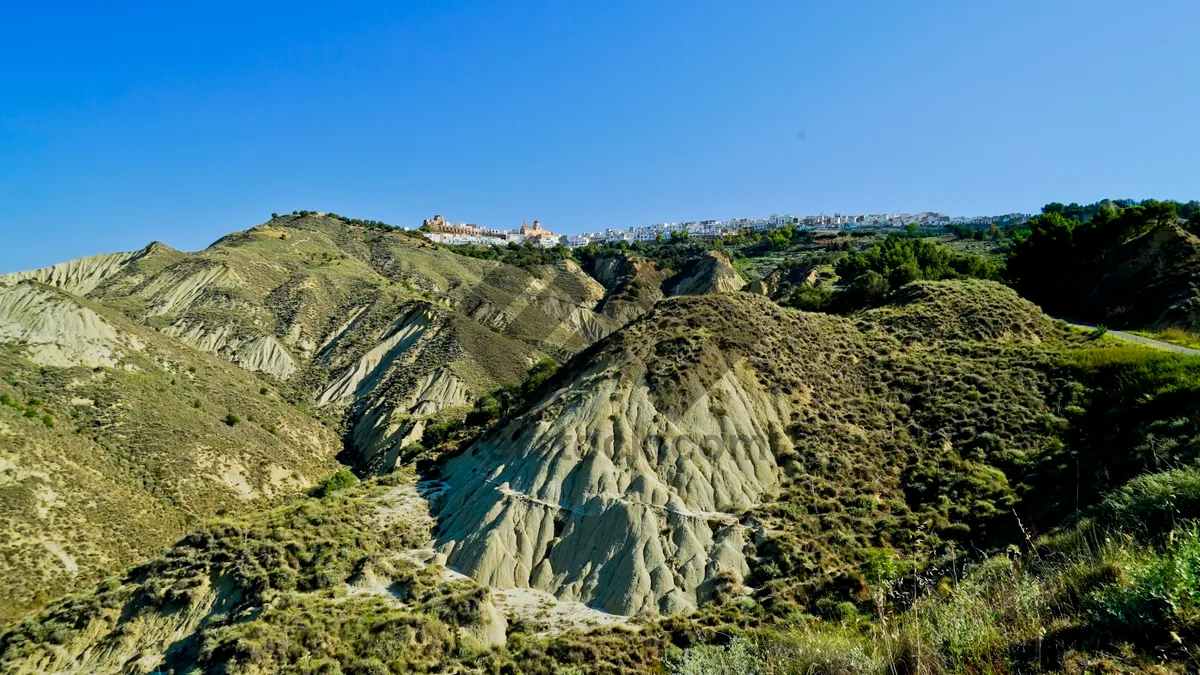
point(125, 123)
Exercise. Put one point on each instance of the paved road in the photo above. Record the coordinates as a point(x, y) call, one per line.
point(1136, 338)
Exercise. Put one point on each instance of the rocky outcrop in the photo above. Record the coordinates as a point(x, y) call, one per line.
point(767, 286)
point(633, 285)
point(710, 273)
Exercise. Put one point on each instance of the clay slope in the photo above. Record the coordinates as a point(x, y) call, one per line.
point(82, 275)
point(399, 365)
point(55, 330)
point(622, 488)
point(113, 438)
point(319, 303)
point(649, 475)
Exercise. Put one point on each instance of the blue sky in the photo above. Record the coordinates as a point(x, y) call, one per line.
point(124, 123)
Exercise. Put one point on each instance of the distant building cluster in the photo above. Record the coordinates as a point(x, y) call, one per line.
point(444, 232)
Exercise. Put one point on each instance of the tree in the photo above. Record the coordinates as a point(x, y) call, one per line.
point(904, 274)
point(341, 480)
point(1038, 252)
point(780, 238)
point(1193, 223)
point(1056, 250)
point(868, 288)
point(809, 298)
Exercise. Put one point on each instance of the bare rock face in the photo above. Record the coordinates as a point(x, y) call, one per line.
point(711, 273)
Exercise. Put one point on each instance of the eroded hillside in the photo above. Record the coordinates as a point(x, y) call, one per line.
point(376, 333)
point(721, 458)
point(381, 329)
point(702, 455)
point(653, 468)
point(115, 439)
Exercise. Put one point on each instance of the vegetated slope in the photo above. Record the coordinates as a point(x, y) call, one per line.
point(835, 465)
point(114, 439)
point(720, 436)
point(301, 587)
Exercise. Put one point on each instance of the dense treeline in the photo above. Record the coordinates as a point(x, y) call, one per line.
point(1086, 212)
point(1053, 250)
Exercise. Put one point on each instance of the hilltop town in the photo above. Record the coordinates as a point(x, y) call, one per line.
point(442, 231)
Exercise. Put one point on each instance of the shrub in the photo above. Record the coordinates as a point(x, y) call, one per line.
point(809, 298)
point(231, 419)
point(823, 649)
point(339, 481)
point(738, 658)
point(1161, 596)
point(1151, 504)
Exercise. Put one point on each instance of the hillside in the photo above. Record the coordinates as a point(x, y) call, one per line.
point(374, 331)
point(378, 329)
point(1129, 268)
point(628, 486)
point(706, 472)
point(115, 439)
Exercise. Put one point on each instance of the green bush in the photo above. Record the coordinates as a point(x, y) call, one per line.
point(738, 658)
point(1158, 602)
point(1153, 503)
point(809, 298)
point(339, 481)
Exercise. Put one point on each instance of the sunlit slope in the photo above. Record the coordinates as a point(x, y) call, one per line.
point(113, 438)
point(702, 442)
